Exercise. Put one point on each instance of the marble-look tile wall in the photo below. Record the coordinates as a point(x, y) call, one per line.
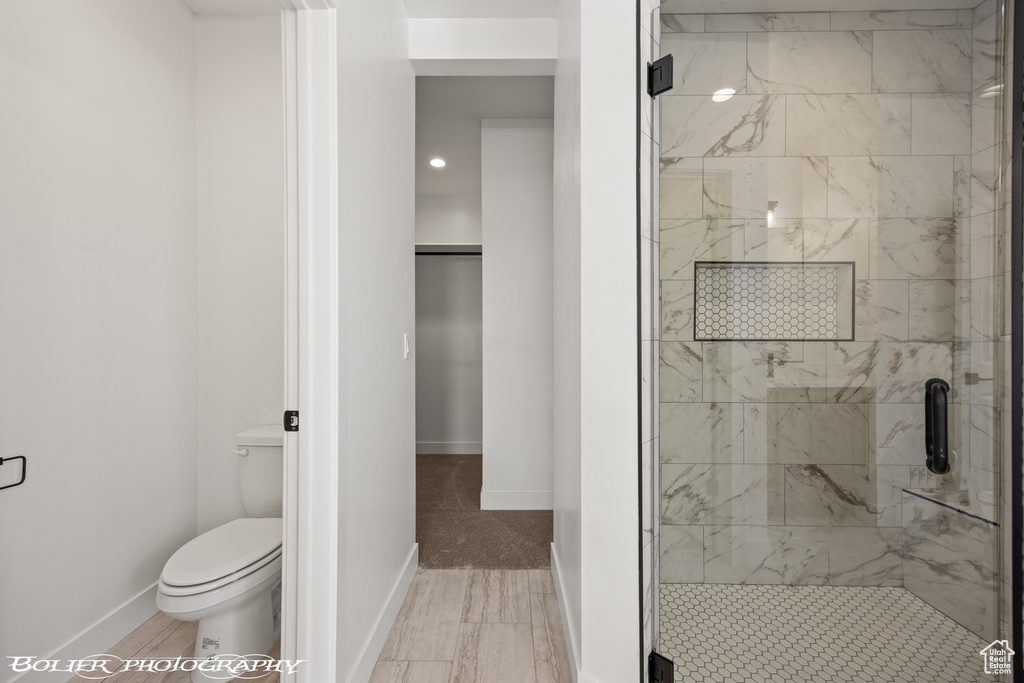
point(650, 25)
point(875, 138)
point(950, 560)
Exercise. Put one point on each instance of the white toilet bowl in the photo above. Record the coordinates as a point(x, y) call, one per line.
point(229, 580)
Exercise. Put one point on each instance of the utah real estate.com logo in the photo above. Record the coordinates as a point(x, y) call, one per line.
point(998, 657)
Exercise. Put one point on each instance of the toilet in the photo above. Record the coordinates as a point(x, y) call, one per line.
point(229, 578)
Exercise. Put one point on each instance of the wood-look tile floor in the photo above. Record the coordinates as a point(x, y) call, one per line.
point(164, 638)
point(476, 626)
point(455, 626)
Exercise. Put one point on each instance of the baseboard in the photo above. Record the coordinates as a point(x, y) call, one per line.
point(570, 635)
point(367, 659)
point(449, 448)
point(96, 639)
point(517, 500)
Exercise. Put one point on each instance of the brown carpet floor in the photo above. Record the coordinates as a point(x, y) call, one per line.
point(454, 533)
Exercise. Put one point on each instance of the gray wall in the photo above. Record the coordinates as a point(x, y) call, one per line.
point(98, 292)
point(377, 421)
point(449, 343)
point(241, 246)
point(517, 166)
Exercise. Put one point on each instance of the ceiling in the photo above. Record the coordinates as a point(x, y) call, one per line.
point(448, 113)
point(250, 7)
point(416, 9)
point(740, 6)
point(524, 9)
point(481, 9)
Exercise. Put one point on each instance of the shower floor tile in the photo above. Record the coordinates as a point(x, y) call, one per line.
point(820, 634)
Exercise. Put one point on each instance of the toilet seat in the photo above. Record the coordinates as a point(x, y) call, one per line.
point(222, 555)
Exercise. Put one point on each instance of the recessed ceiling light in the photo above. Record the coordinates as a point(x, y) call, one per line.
point(722, 95)
point(437, 163)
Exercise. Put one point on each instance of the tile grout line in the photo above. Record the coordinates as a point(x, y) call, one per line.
point(462, 612)
point(533, 637)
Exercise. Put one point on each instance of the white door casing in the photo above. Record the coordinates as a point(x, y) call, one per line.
point(309, 626)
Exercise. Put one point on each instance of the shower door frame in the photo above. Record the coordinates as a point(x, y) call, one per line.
point(1016, 293)
point(1017, 341)
point(640, 284)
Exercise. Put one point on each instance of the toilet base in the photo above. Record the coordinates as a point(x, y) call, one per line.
point(248, 631)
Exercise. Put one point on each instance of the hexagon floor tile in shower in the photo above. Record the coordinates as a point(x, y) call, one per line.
point(818, 634)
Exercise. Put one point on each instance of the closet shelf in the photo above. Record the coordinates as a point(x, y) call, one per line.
point(445, 248)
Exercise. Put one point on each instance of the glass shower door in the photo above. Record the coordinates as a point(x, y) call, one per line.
point(831, 232)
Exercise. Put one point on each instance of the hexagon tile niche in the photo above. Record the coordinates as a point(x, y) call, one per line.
point(773, 301)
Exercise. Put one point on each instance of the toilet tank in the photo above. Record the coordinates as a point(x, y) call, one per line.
point(261, 472)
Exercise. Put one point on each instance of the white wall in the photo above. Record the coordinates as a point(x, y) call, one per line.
point(448, 219)
point(376, 125)
point(98, 276)
point(473, 46)
point(609, 347)
point(517, 168)
point(240, 140)
point(566, 548)
point(597, 513)
point(449, 365)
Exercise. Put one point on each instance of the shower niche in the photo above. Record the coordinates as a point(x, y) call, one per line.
point(773, 301)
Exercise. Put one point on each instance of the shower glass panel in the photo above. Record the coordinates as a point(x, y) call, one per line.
point(831, 227)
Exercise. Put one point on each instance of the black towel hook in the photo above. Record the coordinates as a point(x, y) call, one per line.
point(24, 470)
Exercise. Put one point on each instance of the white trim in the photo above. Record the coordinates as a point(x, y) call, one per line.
point(300, 5)
point(99, 637)
point(571, 638)
point(449, 448)
point(493, 9)
point(310, 620)
point(483, 67)
point(570, 635)
point(517, 500)
point(289, 562)
point(367, 658)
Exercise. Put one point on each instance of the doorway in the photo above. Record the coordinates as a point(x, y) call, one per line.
point(469, 335)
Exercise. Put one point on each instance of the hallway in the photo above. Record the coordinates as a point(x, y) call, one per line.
point(476, 626)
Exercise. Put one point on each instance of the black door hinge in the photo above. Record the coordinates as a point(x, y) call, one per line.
point(291, 420)
point(660, 669)
point(659, 76)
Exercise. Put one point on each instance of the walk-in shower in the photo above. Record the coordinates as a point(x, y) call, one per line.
point(829, 271)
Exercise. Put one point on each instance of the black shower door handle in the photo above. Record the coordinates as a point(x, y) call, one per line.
point(936, 426)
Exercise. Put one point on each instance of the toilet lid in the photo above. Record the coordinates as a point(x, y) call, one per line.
point(223, 551)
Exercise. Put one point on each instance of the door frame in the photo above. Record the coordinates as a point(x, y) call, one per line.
point(309, 54)
point(1015, 36)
